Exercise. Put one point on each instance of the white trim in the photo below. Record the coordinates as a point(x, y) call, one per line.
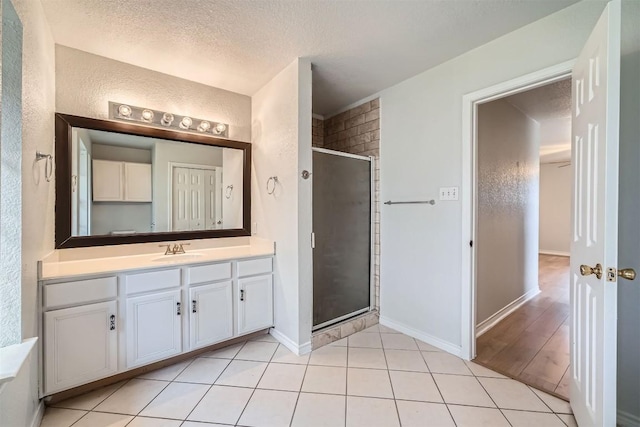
point(334, 322)
point(429, 339)
point(372, 238)
point(342, 154)
point(353, 105)
point(287, 342)
point(38, 415)
point(626, 419)
point(468, 197)
point(12, 358)
point(492, 320)
point(555, 253)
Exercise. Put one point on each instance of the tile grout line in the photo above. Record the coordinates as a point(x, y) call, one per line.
point(395, 402)
point(438, 388)
point(295, 407)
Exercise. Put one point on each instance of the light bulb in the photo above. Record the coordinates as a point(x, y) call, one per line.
point(186, 122)
point(220, 128)
point(124, 111)
point(147, 115)
point(167, 119)
point(204, 126)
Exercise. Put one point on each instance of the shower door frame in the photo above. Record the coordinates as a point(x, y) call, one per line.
point(372, 295)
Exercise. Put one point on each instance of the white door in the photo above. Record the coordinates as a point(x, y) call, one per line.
point(211, 317)
point(107, 181)
point(596, 97)
point(255, 303)
point(212, 200)
point(83, 190)
point(179, 205)
point(196, 199)
point(137, 182)
point(80, 345)
point(153, 327)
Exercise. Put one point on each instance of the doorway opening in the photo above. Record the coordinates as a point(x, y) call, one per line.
point(523, 231)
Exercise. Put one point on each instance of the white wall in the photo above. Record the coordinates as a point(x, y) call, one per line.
point(232, 174)
point(421, 151)
point(629, 204)
point(85, 83)
point(38, 105)
point(281, 137)
point(507, 228)
point(555, 209)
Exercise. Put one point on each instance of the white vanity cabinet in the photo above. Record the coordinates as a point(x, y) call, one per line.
point(81, 342)
point(121, 181)
point(153, 316)
point(255, 295)
point(101, 326)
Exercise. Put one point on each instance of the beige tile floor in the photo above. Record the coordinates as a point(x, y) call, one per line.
point(375, 378)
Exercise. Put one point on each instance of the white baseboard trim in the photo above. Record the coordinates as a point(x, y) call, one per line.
point(489, 323)
point(38, 415)
point(429, 339)
point(287, 342)
point(556, 253)
point(625, 419)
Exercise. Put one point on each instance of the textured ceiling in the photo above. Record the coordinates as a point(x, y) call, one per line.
point(549, 105)
point(357, 47)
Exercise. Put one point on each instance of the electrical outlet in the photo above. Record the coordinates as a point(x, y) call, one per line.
point(448, 193)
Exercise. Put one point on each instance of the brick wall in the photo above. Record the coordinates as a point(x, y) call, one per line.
point(317, 128)
point(357, 131)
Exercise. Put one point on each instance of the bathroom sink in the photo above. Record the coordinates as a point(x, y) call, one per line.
point(171, 259)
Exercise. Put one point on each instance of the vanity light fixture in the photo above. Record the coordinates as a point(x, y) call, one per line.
point(147, 116)
point(165, 119)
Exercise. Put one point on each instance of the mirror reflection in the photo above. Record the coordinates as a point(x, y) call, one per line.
point(125, 184)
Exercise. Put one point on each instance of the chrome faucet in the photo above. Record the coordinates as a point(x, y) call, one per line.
point(176, 249)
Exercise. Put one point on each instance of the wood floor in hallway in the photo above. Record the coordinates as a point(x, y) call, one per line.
point(532, 343)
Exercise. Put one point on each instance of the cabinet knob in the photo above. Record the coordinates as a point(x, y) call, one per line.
point(178, 308)
point(193, 306)
point(112, 322)
point(241, 294)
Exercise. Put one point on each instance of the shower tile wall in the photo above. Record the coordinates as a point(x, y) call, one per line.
point(356, 131)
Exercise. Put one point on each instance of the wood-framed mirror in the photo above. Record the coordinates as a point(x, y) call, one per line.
point(120, 183)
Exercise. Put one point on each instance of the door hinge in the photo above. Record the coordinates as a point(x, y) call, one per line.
point(471, 243)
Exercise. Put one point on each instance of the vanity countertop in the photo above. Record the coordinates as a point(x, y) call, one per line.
point(63, 263)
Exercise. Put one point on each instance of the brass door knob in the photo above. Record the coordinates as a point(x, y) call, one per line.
point(627, 273)
point(585, 270)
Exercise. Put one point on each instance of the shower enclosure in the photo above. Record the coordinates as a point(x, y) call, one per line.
point(342, 227)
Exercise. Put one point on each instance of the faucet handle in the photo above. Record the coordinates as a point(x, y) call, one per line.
point(168, 251)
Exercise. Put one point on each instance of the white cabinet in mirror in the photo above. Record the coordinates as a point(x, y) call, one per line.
point(127, 184)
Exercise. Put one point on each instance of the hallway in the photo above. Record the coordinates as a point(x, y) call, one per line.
point(532, 343)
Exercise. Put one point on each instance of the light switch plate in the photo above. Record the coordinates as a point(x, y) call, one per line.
point(448, 193)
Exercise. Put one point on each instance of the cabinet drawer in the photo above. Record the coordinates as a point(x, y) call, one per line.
point(152, 281)
point(209, 273)
point(80, 292)
point(255, 266)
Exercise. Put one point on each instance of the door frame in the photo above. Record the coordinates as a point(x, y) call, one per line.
point(372, 187)
point(468, 196)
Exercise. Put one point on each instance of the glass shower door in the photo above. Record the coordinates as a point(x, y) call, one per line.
point(342, 231)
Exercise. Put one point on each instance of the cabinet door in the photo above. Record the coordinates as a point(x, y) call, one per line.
point(137, 182)
point(210, 314)
point(255, 303)
point(107, 181)
point(80, 345)
point(153, 327)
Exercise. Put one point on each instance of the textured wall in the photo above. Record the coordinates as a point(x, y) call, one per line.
point(10, 175)
point(508, 206)
point(421, 279)
point(357, 131)
point(555, 209)
point(85, 83)
point(278, 137)
point(317, 129)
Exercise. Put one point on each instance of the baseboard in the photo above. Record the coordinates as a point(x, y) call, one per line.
point(625, 419)
point(489, 323)
point(287, 342)
point(556, 253)
point(38, 415)
point(429, 339)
